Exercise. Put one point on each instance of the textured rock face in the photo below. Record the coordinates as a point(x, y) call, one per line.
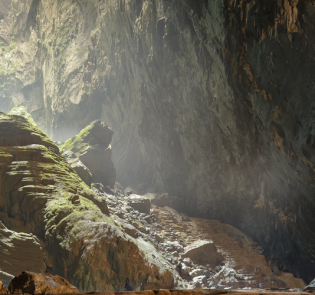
point(40, 190)
point(21, 247)
point(211, 101)
point(92, 146)
point(39, 283)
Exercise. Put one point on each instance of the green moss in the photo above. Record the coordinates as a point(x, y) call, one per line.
point(79, 143)
point(21, 111)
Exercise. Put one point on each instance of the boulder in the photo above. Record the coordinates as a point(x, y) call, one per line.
point(203, 252)
point(139, 203)
point(78, 167)
point(40, 283)
point(92, 146)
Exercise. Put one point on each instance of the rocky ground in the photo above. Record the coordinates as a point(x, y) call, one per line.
point(232, 261)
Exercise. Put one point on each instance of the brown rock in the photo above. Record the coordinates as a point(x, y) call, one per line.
point(3, 290)
point(39, 283)
point(204, 252)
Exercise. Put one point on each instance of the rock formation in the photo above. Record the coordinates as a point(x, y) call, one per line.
point(46, 198)
point(92, 146)
point(40, 284)
point(211, 101)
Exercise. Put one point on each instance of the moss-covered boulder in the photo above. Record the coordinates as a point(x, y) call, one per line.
point(41, 191)
point(92, 146)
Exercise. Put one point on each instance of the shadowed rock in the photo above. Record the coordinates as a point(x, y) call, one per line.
point(39, 283)
point(92, 147)
point(78, 167)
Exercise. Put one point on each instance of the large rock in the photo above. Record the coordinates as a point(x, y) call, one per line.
point(40, 284)
point(204, 252)
point(92, 147)
point(82, 244)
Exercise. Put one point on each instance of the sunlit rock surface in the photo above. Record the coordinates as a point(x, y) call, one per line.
point(46, 198)
point(211, 101)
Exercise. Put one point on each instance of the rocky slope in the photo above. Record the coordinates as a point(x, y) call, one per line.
point(210, 101)
point(207, 254)
point(41, 195)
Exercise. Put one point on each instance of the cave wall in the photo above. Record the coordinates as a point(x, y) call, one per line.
point(211, 101)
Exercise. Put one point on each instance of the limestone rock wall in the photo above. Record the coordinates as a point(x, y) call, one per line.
point(210, 101)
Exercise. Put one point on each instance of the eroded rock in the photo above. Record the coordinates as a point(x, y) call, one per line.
point(40, 284)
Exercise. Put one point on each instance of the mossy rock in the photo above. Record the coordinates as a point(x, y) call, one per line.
point(84, 245)
point(92, 146)
point(97, 133)
point(21, 111)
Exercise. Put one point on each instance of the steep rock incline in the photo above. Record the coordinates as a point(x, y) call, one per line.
point(39, 189)
point(210, 101)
